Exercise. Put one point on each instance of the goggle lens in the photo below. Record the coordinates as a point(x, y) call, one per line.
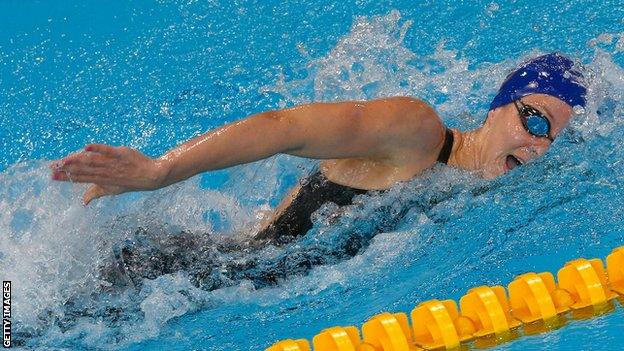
point(533, 120)
point(537, 125)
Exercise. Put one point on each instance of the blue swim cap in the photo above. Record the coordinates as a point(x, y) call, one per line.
point(550, 74)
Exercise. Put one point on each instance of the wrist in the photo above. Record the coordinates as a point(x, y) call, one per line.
point(163, 168)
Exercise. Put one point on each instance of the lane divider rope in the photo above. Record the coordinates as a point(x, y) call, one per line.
point(532, 299)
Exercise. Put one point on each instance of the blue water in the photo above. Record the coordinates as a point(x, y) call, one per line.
point(151, 74)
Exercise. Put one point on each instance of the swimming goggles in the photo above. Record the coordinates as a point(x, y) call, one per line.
point(533, 120)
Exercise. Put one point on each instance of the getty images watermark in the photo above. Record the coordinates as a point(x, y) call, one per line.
point(6, 313)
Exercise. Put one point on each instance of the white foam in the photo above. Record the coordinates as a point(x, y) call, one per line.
point(53, 246)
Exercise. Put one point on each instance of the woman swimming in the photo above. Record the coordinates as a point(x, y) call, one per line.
point(364, 145)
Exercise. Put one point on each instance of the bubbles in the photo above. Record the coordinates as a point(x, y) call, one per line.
point(578, 110)
point(493, 7)
point(164, 298)
point(434, 235)
point(606, 40)
point(619, 46)
point(605, 82)
point(56, 249)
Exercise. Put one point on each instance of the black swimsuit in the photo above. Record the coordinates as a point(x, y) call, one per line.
point(295, 220)
point(316, 190)
point(213, 264)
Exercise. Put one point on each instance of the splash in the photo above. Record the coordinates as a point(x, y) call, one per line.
point(55, 248)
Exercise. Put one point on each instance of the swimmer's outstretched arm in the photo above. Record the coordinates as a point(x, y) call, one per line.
point(380, 129)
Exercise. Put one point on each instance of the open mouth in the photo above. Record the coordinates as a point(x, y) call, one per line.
point(513, 162)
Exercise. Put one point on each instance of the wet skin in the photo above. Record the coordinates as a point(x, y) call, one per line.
point(368, 145)
point(487, 148)
point(363, 144)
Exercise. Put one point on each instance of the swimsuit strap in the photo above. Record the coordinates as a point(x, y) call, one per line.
point(445, 153)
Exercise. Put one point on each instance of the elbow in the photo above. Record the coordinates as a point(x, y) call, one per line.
point(272, 116)
point(282, 129)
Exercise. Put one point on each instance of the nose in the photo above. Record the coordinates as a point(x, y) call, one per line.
point(538, 147)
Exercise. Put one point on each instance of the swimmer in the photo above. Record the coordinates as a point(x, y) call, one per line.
point(363, 145)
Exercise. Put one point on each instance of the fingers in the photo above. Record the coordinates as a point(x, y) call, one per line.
point(103, 149)
point(82, 163)
point(94, 155)
point(104, 165)
point(71, 173)
point(94, 192)
point(87, 159)
point(98, 164)
point(80, 178)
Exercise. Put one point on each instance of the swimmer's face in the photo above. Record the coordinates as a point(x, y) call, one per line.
point(509, 144)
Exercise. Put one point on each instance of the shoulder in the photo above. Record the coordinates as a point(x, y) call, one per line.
point(418, 113)
point(415, 124)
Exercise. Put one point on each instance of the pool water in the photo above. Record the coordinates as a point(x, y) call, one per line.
point(152, 74)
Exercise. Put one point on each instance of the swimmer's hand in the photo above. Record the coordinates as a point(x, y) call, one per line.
point(111, 170)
